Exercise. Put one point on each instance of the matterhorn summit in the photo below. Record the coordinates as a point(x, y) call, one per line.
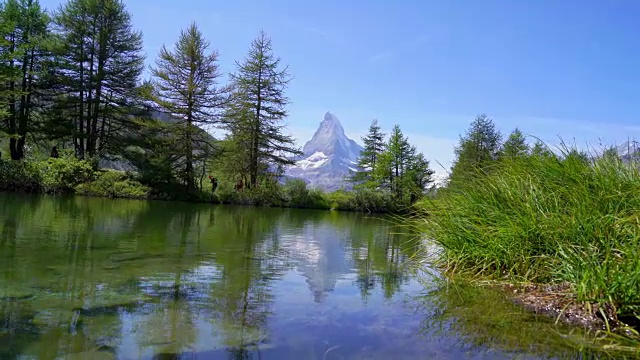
point(328, 157)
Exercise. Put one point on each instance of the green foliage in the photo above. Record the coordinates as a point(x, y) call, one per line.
point(297, 195)
point(395, 167)
point(254, 119)
point(185, 86)
point(24, 32)
point(64, 174)
point(54, 176)
point(94, 74)
point(515, 145)
point(19, 176)
point(547, 219)
point(374, 145)
point(113, 184)
point(540, 149)
point(478, 149)
point(363, 199)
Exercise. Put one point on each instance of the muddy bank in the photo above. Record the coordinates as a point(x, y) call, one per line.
point(560, 302)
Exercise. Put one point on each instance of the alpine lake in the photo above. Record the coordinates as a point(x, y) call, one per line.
point(92, 278)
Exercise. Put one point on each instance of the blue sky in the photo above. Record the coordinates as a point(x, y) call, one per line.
point(553, 68)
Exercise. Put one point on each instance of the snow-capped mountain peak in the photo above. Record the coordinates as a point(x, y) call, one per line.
point(328, 157)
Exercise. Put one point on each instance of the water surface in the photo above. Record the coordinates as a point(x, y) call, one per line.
point(86, 278)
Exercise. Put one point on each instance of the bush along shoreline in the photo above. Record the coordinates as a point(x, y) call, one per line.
point(559, 232)
point(68, 175)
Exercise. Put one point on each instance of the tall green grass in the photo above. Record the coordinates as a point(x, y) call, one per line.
point(546, 219)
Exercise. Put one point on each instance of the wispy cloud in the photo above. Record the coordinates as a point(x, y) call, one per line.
point(381, 57)
point(387, 54)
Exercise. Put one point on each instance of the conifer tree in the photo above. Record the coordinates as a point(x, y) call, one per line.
point(400, 152)
point(515, 146)
point(540, 149)
point(24, 30)
point(98, 64)
point(260, 108)
point(477, 150)
point(374, 145)
point(401, 169)
point(186, 88)
point(419, 176)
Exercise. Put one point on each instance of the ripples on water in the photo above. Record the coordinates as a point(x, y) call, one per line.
point(90, 278)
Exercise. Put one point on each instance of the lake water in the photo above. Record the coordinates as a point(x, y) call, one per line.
point(87, 278)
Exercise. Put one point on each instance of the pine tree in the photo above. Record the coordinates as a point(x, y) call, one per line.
point(401, 152)
point(235, 161)
point(477, 150)
point(25, 29)
point(260, 107)
point(419, 176)
point(186, 88)
point(540, 149)
point(99, 62)
point(373, 146)
point(515, 146)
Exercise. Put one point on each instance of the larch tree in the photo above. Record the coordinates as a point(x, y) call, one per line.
point(25, 29)
point(515, 146)
point(477, 150)
point(260, 109)
point(374, 145)
point(186, 87)
point(99, 61)
point(540, 149)
point(419, 176)
point(401, 170)
point(401, 152)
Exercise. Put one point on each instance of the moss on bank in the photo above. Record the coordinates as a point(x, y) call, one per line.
point(547, 220)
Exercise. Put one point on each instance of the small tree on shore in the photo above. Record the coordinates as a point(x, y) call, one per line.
point(258, 110)
point(477, 150)
point(186, 88)
point(374, 145)
point(515, 146)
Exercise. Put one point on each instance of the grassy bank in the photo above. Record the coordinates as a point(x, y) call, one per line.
point(547, 219)
point(68, 175)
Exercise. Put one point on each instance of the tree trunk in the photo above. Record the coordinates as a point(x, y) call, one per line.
point(90, 99)
point(254, 145)
point(80, 130)
point(102, 58)
point(12, 104)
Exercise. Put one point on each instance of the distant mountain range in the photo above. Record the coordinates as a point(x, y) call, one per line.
point(327, 158)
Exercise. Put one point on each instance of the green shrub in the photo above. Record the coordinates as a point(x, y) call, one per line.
point(116, 184)
point(19, 176)
point(55, 176)
point(362, 199)
point(371, 200)
point(340, 200)
point(62, 175)
point(297, 195)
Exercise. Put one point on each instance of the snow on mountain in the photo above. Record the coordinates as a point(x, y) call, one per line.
point(328, 157)
point(629, 150)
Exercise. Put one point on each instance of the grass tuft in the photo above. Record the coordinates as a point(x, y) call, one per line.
point(546, 219)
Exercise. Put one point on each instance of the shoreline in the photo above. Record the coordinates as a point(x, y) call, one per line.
point(559, 302)
point(193, 201)
point(556, 301)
